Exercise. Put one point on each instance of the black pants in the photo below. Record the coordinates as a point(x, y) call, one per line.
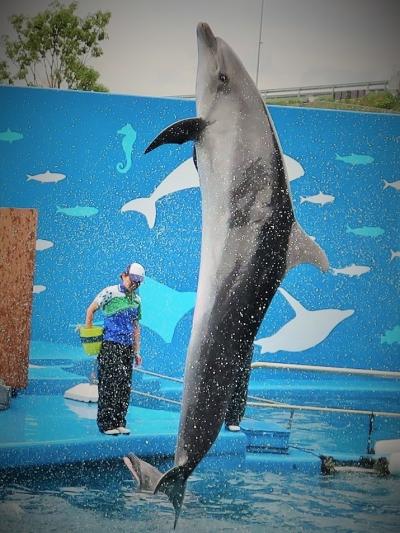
point(115, 362)
point(237, 403)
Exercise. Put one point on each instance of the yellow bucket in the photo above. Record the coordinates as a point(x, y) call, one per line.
point(91, 339)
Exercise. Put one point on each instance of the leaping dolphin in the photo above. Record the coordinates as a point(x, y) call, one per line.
point(250, 238)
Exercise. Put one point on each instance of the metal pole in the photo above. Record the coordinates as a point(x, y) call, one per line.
point(329, 369)
point(259, 41)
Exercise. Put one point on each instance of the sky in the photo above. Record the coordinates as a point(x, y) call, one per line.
point(152, 47)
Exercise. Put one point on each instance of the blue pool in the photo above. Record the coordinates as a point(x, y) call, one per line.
point(224, 497)
point(58, 473)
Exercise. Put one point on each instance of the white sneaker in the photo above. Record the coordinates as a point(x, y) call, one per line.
point(111, 432)
point(124, 431)
point(233, 427)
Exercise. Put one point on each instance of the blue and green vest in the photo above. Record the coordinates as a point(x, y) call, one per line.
point(120, 309)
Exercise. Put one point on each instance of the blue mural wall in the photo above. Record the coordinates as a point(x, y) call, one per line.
point(79, 159)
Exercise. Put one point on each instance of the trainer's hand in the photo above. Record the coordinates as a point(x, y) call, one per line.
point(138, 359)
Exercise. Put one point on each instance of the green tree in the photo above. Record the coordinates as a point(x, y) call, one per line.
point(52, 48)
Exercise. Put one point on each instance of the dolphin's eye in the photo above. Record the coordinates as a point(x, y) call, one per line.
point(223, 77)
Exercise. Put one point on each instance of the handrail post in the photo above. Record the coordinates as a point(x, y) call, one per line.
point(291, 419)
point(370, 431)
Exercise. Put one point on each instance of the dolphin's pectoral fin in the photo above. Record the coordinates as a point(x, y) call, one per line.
point(145, 474)
point(173, 484)
point(179, 133)
point(302, 249)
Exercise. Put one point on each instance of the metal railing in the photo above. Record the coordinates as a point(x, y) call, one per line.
point(332, 89)
point(255, 401)
point(260, 402)
point(329, 369)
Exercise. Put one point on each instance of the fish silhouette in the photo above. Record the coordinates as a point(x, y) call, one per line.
point(10, 136)
point(366, 231)
point(320, 198)
point(42, 244)
point(78, 211)
point(355, 159)
point(351, 270)
point(391, 336)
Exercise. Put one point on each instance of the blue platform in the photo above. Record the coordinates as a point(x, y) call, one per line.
point(43, 427)
point(43, 430)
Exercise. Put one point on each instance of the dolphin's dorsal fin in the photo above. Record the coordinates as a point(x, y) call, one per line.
point(179, 133)
point(302, 249)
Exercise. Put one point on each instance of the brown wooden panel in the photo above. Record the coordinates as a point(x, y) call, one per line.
point(17, 257)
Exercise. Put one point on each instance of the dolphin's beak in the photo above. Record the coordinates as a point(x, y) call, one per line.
point(205, 36)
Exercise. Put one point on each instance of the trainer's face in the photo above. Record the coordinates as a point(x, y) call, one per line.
point(129, 284)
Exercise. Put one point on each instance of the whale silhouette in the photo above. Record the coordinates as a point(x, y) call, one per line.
point(305, 330)
point(129, 138)
point(185, 176)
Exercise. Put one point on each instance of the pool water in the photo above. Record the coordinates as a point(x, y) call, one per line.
point(102, 496)
point(223, 494)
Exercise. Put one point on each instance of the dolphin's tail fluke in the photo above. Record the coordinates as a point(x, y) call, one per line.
point(145, 206)
point(172, 483)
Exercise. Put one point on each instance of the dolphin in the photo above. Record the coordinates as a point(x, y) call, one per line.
point(250, 238)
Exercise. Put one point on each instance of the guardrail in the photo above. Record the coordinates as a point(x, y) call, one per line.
point(329, 369)
point(260, 402)
point(255, 401)
point(336, 90)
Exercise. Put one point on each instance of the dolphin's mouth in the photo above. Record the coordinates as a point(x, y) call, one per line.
point(206, 36)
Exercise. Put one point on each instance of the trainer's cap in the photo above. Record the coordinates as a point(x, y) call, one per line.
point(136, 272)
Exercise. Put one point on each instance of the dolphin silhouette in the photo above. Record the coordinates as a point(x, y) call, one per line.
point(305, 330)
point(250, 238)
point(185, 176)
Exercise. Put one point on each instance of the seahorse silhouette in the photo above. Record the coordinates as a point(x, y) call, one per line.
point(127, 143)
